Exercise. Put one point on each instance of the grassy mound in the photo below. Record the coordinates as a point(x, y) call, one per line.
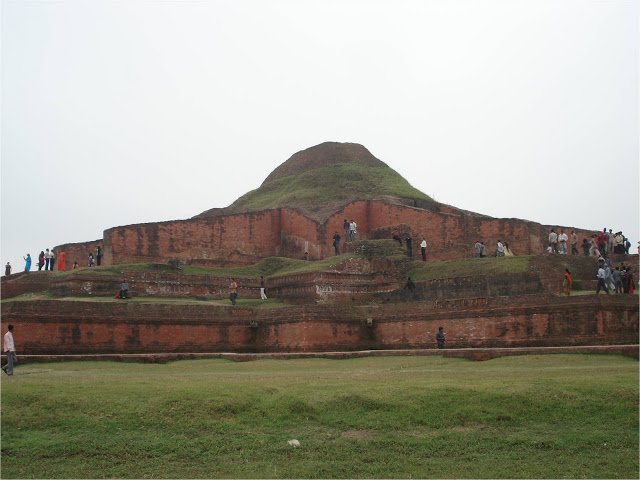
point(324, 189)
point(555, 416)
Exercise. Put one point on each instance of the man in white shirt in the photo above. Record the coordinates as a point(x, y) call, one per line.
point(499, 249)
point(10, 349)
point(601, 277)
point(562, 239)
point(553, 241)
point(423, 248)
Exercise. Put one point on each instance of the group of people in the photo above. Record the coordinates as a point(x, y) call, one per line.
point(502, 249)
point(409, 244)
point(350, 228)
point(599, 245)
point(47, 260)
point(618, 280)
point(606, 243)
point(233, 290)
point(91, 260)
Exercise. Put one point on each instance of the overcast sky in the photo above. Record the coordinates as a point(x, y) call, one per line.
point(120, 112)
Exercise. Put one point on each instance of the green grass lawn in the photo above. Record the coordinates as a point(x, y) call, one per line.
point(554, 416)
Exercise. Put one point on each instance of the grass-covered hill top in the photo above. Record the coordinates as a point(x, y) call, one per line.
point(320, 179)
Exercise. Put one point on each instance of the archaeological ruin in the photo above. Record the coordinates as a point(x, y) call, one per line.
point(179, 273)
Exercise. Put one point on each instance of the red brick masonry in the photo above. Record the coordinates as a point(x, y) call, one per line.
point(79, 327)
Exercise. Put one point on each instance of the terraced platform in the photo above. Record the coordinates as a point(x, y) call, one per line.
point(351, 305)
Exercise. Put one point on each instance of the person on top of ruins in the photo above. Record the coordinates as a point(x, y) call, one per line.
point(47, 259)
point(562, 243)
point(27, 262)
point(353, 230)
point(574, 243)
point(62, 261)
point(345, 227)
point(40, 260)
point(263, 294)
point(336, 243)
point(553, 241)
point(507, 250)
point(90, 260)
point(233, 291)
point(7, 269)
point(124, 289)
point(52, 260)
point(98, 255)
point(423, 249)
point(409, 242)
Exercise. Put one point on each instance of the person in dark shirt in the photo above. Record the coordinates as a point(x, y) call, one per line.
point(336, 243)
point(440, 337)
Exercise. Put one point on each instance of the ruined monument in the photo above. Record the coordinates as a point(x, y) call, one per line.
point(298, 208)
point(355, 301)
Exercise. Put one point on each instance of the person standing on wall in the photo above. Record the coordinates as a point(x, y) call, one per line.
point(47, 258)
point(409, 243)
point(336, 243)
point(440, 338)
point(98, 255)
point(566, 283)
point(233, 291)
point(10, 349)
point(423, 249)
point(52, 260)
point(263, 294)
point(574, 243)
point(7, 269)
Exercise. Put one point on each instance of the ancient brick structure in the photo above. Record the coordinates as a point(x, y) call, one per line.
point(75, 327)
point(231, 237)
point(246, 238)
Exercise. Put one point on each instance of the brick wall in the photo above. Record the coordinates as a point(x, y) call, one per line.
point(65, 327)
point(245, 238)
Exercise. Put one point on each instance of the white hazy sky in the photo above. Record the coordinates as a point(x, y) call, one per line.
point(120, 112)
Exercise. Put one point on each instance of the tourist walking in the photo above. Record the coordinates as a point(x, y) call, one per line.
point(10, 350)
point(507, 250)
point(601, 280)
point(423, 249)
point(477, 249)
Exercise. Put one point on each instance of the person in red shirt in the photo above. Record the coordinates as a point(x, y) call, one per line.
point(567, 282)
